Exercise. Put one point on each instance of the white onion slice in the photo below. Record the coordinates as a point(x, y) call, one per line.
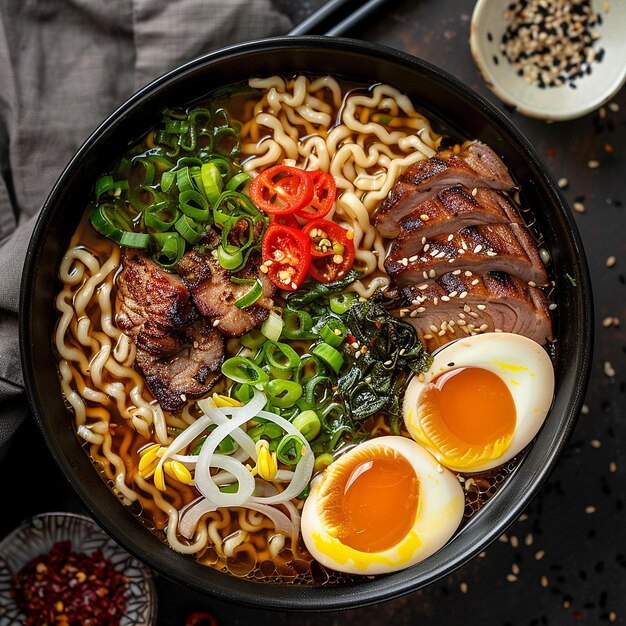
point(218, 416)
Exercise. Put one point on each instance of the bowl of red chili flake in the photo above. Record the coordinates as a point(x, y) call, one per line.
point(61, 569)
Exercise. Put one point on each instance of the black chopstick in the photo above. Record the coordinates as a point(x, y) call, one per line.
point(336, 17)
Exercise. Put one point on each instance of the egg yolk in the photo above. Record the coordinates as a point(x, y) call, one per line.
point(468, 413)
point(370, 503)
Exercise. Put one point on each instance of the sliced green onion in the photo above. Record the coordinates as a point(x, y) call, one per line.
point(167, 179)
point(328, 355)
point(231, 259)
point(170, 248)
point(272, 327)
point(289, 450)
point(281, 356)
point(341, 302)
point(334, 332)
point(283, 393)
point(105, 220)
point(297, 325)
point(189, 229)
point(194, 205)
point(266, 429)
point(308, 423)
point(249, 298)
point(160, 216)
point(212, 182)
point(237, 181)
point(243, 370)
point(253, 339)
point(243, 392)
point(318, 390)
point(149, 169)
point(308, 367)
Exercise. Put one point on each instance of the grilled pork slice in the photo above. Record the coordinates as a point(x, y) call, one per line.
point(214, 294)
point(151, 304)
point(451, 210)
point(480, 249)
point(467, 304)
point(477, 165)
point(187, 373)
point(179, 354)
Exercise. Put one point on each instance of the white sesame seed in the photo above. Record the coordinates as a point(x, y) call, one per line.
point(216, 323)
point(481, 307)
point(539, 555)
point(595, 443)
point(590, 509)
point(421, 309)
point(435, 301)
point(609, 370)
point(611, 261)
point(463, 294)
point(424, 217)
point(450, 237)
point(544, 581)
point(413, 258)
point(456, 272)
point(563, 183)
point(474, 191)
point(445, 298)
point(463, 587)
point(511, 578)
point(592, 164)
point(552, 306)
point(477, 248)
point(426, 247)
point(579, 207)
point(614, 107)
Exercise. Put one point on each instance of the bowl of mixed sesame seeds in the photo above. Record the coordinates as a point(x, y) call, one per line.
point(61, 568)
point(550, 59)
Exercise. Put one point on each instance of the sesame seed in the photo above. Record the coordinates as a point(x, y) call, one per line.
point(421, 309)
point(453, 294)
point(435, 301)
point(413, 258)
point(511, 578)
point(445, 298)
point(450, 237)
point(456, 272)
point(592, 164)
point(539, 555)
point(216, 323)
point(563, 183)
point(423, 286)
point(264, 269)
point(595, 443)
point(552, 306)
point(515, 568)
point(477, 249)
point(528, 540)
point(590, 509)
point(609, 370)
point(474, 192)
point(544, 582)
point(611, 261)
point(481, 307)
point(426, 247)
point(613, 107)
point(424, 217)
point(463, 587)
point(463, 294)
point(428, 336)
point(612, 467)
point(584, 410)
point(579, 207)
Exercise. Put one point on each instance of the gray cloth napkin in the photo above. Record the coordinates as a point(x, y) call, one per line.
point(65, 65)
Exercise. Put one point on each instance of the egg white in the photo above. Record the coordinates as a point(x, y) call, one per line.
point(521, 363)
point(439, 513)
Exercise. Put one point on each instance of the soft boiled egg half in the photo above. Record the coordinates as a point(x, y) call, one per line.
point(482, 401)
point(383, 506)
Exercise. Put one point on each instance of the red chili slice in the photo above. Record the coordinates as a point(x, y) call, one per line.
point(281, 189)
point(332, 250)
point(286, 255)
point(324, 194)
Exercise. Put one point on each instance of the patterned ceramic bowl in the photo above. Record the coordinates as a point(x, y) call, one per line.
point(38, 536)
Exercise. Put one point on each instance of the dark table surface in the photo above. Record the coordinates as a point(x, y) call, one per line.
point(564, 560)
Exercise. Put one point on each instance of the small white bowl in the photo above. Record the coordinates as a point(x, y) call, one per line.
point(37, 535)
point(489, 24)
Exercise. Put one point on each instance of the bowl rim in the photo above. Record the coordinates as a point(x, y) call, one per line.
point(499, 512)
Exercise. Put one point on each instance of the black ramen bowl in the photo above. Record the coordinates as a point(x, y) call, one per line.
point(441, 97)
